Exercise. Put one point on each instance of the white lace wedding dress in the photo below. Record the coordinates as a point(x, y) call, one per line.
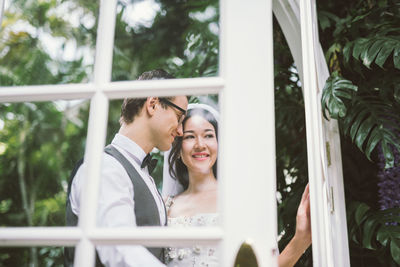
point(196, 256)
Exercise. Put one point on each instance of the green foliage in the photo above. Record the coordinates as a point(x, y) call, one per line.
point(367, 115)
point(5, 205)
point(36, 163)
point(335, 89)
point(52, 256)
point(50, 211)
point(369, 121)
point(374, 49)
point(47, 256)
point(40, 144)
point(375, 230)
point(181, 40)
point(39, 66)
point(361, 41)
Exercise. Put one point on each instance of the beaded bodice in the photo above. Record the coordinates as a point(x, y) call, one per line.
point(196, 256)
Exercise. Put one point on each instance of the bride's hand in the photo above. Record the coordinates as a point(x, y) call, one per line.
point(302, 238)
point(303, 219)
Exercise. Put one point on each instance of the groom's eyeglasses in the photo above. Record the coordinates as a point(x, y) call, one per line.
point(181, 115)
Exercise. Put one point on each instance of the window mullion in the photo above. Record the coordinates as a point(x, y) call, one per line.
point(46, 92)
point(321, 253)
point(113, 90)
point(172, 87)
point(158, 236)
point(247, 150)
point(85, 251)
point(40, 236)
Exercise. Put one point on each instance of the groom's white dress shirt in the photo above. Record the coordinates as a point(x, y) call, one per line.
point(116, 203)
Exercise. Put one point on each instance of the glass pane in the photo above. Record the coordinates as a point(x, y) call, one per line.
point(117, 193)
point(32, 256)
point(40, 144)
point(180, 37)
point(47, 42)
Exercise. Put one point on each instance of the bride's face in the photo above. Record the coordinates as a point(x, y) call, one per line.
point(199, 145)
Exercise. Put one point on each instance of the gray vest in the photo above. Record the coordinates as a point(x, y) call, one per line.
point(146, 210)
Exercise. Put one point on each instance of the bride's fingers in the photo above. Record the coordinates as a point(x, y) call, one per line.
point(304, 206)
point(306, 194)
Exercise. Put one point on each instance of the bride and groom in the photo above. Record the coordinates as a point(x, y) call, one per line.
point(128, 196)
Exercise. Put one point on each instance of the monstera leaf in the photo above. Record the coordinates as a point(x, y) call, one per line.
point(335, 91)
point(376, 49)
point(371, 121)
point(375, 229)
point(366, 119)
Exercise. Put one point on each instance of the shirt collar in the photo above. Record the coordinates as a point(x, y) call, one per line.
point(128, 145)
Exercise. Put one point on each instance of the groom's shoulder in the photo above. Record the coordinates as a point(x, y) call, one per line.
point(108, 162)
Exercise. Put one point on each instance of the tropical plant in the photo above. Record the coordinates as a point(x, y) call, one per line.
point(366, 114)
point(377, 231)
point(362, 93)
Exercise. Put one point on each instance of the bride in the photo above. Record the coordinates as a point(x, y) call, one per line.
point(192, 163)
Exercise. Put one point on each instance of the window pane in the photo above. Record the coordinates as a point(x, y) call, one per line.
point(115, 194)
point(47, 42)
point(32, 256)
point(180, 37)
point(40, 144)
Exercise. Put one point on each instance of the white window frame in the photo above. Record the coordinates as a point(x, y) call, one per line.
point(247, 202)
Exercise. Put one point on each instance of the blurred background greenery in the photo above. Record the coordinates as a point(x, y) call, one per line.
point(53, 42)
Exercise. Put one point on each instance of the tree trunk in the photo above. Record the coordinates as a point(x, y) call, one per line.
point(21, 166)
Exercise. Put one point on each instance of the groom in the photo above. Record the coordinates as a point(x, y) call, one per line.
point(128, 196)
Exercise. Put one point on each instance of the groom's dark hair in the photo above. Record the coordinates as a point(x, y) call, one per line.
point(132, 106)
point(177, 169)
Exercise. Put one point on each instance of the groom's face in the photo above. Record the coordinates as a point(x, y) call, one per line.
point(167, 120)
